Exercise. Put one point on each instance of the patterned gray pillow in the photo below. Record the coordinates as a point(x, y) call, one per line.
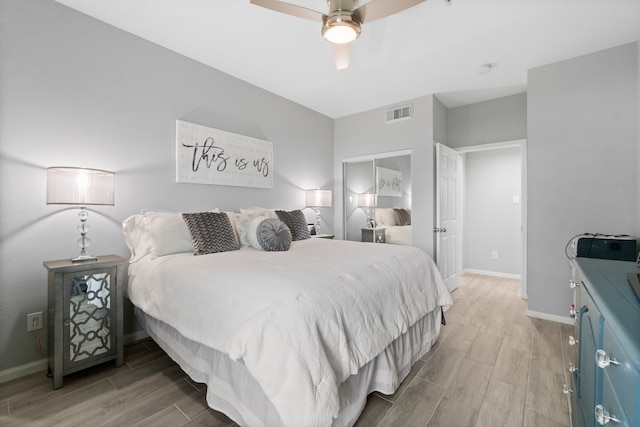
point(296, 222)
point(402, 216)
point(211, 232)
point(273, 235)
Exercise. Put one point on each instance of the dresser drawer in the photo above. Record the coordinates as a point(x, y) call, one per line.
point(624, 378)
point(611, 405)
point(590, 321)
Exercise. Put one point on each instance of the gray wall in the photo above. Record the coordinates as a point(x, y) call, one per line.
point(75, 91)
point(582, 170)
point(492, 221)
point(367, 134)
point(502, 119)
point(440, 121)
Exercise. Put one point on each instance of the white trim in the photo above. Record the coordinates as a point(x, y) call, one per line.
point(493, 146)
point(23, 370)
point(42, 364)
point(524, 285)
point(368, 157)
point(551, 317)
point(492, 273)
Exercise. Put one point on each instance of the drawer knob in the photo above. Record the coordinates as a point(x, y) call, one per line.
point(572, 340)
point(566, 389)
point(603, 360)
point(573, 284)
point(603, 417)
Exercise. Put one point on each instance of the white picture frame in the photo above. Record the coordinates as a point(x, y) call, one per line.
point(388, 182)
point(206, 155)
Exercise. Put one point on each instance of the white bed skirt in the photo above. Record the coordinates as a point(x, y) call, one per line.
point(232, 390)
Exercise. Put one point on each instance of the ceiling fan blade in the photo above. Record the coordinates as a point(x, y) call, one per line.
point(290, 9)
point(341, 55)
point(377, 9)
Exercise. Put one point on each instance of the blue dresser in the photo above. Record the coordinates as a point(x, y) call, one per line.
point(606, 378)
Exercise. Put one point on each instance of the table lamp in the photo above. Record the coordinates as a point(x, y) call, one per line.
point(317, 199)
point(81, 187)
point(367, 202)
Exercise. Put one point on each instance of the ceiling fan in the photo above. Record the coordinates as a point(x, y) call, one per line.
point(342, 24)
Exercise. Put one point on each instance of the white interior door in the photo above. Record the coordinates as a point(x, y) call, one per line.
point(448, 214)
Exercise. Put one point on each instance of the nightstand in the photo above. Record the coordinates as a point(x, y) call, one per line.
point(323, 236)
point(84, 314)
point(376, 235)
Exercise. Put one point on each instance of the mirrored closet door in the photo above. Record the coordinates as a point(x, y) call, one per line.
point(377, 192)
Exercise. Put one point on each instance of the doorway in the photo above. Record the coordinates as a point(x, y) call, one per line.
point(494, 210)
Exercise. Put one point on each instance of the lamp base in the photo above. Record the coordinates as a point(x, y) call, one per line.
point(84, 242)
point(317, 220)
point(84, 258)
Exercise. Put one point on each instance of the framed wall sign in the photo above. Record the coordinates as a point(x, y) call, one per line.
point(206, 155)
point(388, 182)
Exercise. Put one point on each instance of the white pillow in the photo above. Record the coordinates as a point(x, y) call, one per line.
point(234, 225)
point(135, 237)
point(167, 233)
point(244, 218)
point(252, 231)
point(385, 216)
point(256, 212)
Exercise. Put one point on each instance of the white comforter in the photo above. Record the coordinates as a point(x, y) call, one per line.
point(302, 321)
point(398, 234)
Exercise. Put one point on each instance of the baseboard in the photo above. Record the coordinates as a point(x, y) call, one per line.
point(22, 370)
point(552, 317)
point(42, 364)
point(492, 273)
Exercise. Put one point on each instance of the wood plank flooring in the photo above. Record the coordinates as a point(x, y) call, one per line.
point(492, 366)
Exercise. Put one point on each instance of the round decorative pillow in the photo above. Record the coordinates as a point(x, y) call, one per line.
point(270, 234)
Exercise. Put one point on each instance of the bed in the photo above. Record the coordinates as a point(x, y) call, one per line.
point(397, 224)
point(295, 337)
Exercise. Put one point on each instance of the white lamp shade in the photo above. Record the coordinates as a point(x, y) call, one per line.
point(318, 198)
point(366, 200)
point(79, 186)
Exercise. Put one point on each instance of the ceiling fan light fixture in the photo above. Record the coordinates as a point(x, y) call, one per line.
point(341, 28)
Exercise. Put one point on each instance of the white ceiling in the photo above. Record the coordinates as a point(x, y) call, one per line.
point(434, 47)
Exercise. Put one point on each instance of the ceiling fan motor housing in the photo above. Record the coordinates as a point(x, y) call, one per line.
point(342, 25)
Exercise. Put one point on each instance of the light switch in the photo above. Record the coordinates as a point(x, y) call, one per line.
point(516, 200)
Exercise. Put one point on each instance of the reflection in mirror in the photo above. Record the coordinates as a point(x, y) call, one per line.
point(88, 318)
point(384, 180)
point(393, 201)
point(358, 179)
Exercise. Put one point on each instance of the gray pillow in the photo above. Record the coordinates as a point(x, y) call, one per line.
point(211, 232)
point(296, 222)
point(402, 216)
point(273, 235)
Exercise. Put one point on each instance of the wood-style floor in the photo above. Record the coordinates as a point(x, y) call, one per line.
point(492, 366)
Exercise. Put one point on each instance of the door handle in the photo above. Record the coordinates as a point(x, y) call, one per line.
point(439, 230)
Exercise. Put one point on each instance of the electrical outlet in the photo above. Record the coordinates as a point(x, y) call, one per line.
point(494, 255)
point(34, 321)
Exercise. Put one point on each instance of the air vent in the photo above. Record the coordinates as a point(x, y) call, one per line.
point(400, 113)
